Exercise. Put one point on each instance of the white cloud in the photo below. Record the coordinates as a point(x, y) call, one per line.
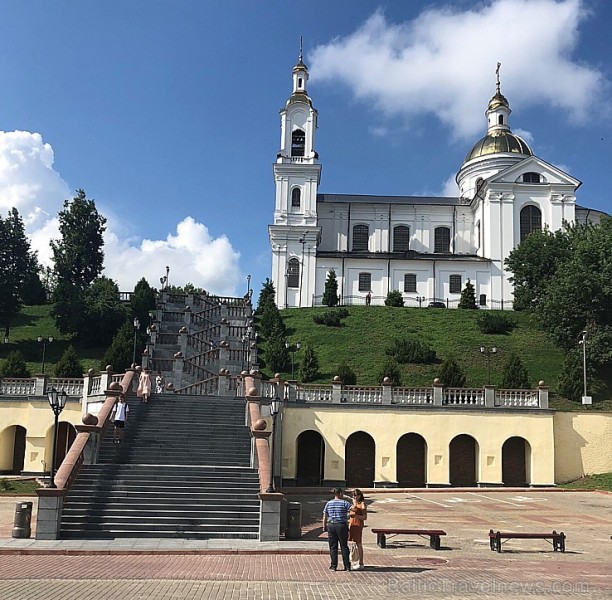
point(443, 62)
point(29, 183)
point(450, 187)
point(525, 135)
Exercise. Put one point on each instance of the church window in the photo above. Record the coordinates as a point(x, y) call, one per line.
point(410, 282)
point(401, 238)
point(531, 220)
point(361, 235)
point(500, 119)
point(299, 82)
point(454, 284)
point(478, 233)
point(483, 300)
point(365, 282)
point(293, 273)
point(531, 178)
point(298, 142)
point(296, 195)
point(442, 240)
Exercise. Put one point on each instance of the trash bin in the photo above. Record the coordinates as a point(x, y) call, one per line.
point(293, 530)
point(23, 519)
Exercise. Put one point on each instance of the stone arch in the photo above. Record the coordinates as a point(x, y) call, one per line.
point(359, 460)
point(516, 462)
point(463, 461)
point(310, 458)
point(12, 449)
point(411, 460)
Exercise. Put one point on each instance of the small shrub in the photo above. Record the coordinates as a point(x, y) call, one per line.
point(468, 297)
point(394, 298)
point(515, 374)
point(309, 369)
point(5, 485)
point(495, 322)
point(411, 351)
point(69, 364)
point(346, 374)
point(331, 318)
point(14, 366)
point(330, 295)
point(451, 374)
point(391, 370)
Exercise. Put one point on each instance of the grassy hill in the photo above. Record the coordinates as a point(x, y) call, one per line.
point(367, 331)
point(35, 321)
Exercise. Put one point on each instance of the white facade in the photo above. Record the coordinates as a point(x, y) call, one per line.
point(427, 248)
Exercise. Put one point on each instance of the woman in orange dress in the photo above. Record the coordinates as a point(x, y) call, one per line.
point(144, 386)
point(358, 515)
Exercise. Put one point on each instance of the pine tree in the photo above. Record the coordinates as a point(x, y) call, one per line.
point(451, 374)
point(276, 355)
point(120, 352)
point(309, 369)
point(69, 364)
point(142, 302)
point(468, 296)
point(515, 374)
point(267, 296)
point(14, 366)
point(391, 370)
point(330, 295)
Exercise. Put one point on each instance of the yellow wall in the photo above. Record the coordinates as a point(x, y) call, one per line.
point(489, 428)
point(583, 444)
point(37, 418)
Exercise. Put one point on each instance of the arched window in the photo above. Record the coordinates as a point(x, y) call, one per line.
point(293, 273)
point(500, 119)
point(442, 240)
point(531, 220)
point(532, 178)
point(298, 142)
point(361, 234)
point(296, 195)
point(401, 238)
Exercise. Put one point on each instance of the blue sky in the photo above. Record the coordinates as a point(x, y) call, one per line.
point(166, 112)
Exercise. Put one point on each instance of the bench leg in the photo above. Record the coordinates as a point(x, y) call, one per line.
point(434, 542)
point(562, 542)
point(381, 540)
point(491, 540)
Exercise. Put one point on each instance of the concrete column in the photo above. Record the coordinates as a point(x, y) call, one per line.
point(40, 387)
point(182, 340)
point(269, 517)
point(543, 395)
point(48, 517)
point(336, 390)
point(177, 371)
point(106, 378)
point(223, 389)
point(387, 391)
point(187, 315)
point(438, 395)
point(489, 391)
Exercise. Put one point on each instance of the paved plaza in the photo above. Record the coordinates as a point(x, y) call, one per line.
point(465, 567)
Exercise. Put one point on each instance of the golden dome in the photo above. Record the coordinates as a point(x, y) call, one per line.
point(498, 100)
point(499, 141)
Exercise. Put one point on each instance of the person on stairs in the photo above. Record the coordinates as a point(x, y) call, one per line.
point(159, 383)
point(144, 385)
point(119, 418)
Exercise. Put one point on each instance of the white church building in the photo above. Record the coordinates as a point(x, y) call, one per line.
point(425, 247)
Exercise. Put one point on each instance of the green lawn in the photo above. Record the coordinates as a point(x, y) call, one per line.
point(367, 331)
point(21, 487)
point(601, 481)
point(35, 321)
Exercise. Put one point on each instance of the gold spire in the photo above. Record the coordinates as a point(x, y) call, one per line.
point(300, 59)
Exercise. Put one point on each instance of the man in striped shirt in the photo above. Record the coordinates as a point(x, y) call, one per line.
point(335, 522)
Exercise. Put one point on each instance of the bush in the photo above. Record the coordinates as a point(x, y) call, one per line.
point(69, 365)
point(515, 374)
point(468, 297)
point(451, 374)
point(394, 298)
point(391, 370)
point(495, 322)
point(411, 351)
point(14, 366)
point(330, 295)
point(346, 374)
point(331, 318)
point(309, 369)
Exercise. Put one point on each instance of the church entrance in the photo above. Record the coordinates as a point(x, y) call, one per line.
point(359, 456)
point(411, 454)
point(463, 453)
point(516, 454)
point(310, 458)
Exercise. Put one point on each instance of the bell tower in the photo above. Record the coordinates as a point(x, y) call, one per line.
point(294, 235)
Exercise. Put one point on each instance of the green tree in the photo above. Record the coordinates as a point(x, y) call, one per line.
point(468, 296)
point(451, 374)
point(276, 355)
point(514, 375)
point(534, 263)
point(394, 298)
point(104, 313)
point(69, 364)
point(391, 370)
point(309, 369)
point(14, 366)
point(271, 323)
point(330, 295)
point(267, 296)
point(571, 379)
point(34, 291)
point(78, 259)
point(17, 265)
point(346, 374)
point(120, 352)
point(142, 302)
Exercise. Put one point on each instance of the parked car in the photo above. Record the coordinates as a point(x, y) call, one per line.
point(436, 305)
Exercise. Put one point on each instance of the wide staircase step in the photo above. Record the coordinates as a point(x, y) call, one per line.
point(182, 470)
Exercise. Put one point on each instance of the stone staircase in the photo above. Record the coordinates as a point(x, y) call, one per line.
point(182, 470)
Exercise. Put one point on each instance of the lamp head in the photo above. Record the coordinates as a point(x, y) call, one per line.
point(298, 345)
point(287, 345)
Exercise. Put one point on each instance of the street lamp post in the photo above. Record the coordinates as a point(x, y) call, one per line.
point(293, 351)
point(44, 341)
point(420, 300)
point(302, 241)
point(136, 328)
point(248, 286)
point(583, 340)
point(275, 406)
point(488, 351)
point(57, 401)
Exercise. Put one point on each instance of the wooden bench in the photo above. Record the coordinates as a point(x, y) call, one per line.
point(556, 539)
point(433, 534)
